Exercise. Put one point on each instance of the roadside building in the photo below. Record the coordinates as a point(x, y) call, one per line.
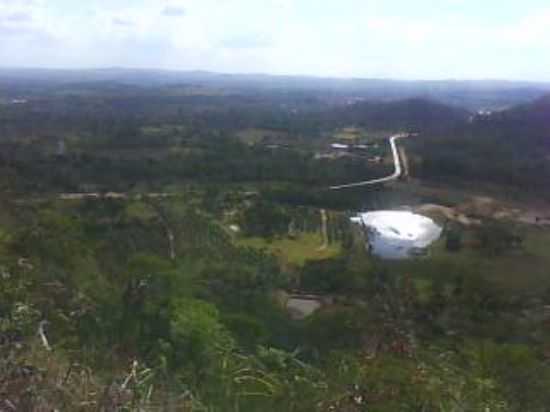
point(375, 159)
point(339, 146)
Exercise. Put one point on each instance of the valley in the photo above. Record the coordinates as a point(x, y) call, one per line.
point(191, 243)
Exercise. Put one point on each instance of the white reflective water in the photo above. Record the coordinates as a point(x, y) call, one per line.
point(398, 234)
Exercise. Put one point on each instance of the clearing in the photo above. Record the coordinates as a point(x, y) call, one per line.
point(296, 251)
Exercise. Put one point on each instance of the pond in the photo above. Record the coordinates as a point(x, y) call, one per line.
point(396, 234)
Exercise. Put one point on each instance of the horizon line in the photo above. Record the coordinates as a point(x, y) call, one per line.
point(279, 75)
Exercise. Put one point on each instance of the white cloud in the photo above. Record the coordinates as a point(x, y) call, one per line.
point(120, 21)
point(173, 11)
point(532, 30)
point(353, 38)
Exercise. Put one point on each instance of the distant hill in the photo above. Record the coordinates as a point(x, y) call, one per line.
point(473, 95)
point(527, 122)
point(510, 148)
point(535, 115)
point(410, 114)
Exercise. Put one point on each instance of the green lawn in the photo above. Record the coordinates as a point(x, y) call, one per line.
point(307, 246)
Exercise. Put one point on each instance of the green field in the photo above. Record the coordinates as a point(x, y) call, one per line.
point(304, 247)
point(358, 134)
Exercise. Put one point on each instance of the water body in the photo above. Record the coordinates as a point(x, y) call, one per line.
point(302, 308)
point(398, 234)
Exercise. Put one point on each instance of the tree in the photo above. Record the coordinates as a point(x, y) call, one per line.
point(495, 238)
point(265, 219)
point(198, 335)
point(453, 241)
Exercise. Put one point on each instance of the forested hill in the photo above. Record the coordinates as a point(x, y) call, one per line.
point(310, 120)
point(509, 147)
point(416, 113)
point(529, 121)
point(87, 105)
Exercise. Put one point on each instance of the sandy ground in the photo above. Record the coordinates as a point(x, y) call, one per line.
point(447, 212)
point(473, 211)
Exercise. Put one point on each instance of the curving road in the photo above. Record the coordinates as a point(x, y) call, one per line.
point(396, 174)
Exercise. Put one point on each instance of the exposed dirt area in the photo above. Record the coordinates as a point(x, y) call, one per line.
point(474, 212)
point(488, 207)
point(448, 213)
point(470, 208)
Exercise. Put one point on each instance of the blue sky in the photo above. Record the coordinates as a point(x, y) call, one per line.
point(407, 39)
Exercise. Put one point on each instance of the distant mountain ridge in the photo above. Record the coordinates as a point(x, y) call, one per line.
point(470, 94)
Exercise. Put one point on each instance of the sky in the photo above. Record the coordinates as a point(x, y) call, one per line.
point(401, 39)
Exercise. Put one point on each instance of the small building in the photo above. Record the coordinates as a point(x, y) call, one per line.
point(339, 146)
point(61, 147)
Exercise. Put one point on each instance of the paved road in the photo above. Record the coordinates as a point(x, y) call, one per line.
point(113, 195)
point(394, 176)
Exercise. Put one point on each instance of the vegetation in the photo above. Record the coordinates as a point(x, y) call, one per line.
point(302, 248)
point(150, 242)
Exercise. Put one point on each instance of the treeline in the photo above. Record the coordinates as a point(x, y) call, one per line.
point(126, 159)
